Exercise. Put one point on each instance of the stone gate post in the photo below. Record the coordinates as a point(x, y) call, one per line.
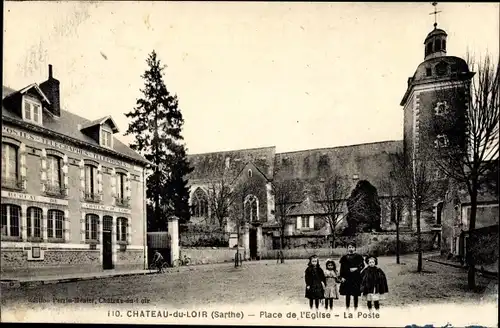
point(173, 231)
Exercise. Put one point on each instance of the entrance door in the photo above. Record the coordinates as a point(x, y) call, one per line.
point(107, 244)
point(253, 243)
point(107, 251)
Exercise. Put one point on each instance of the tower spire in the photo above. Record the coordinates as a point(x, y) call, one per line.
point(435, 14)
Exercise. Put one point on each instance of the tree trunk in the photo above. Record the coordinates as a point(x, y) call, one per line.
point(282, 239)
point(333, 239)
point(419, 242)
point(397, 242)
point(237, 259)
point(471, 258)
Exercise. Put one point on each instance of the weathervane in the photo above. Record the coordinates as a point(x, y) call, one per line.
point(435, 13)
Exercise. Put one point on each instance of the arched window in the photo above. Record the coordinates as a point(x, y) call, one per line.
point(10, 220)
point(121, 229)
point(34, 221)
point(91, 224)
point(10, 164)
point(428, 48)
point(54, 175)
point(439, 212)
point(437, 45)
point(251, 209)
point(444, 44)
point(200, 203)
point(249, 173)
point(55, 219)
point(396, 209)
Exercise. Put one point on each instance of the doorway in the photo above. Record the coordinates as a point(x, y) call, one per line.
point(107, 243)
point(253, 243)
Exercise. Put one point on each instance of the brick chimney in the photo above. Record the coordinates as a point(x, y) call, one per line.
point(51, 90)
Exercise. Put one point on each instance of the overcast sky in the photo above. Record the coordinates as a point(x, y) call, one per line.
point(291, 75)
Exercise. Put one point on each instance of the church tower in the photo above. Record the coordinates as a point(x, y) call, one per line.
point(436, 98)
point(435, 103)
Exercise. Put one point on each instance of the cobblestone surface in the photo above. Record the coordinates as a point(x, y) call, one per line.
point(255, 283)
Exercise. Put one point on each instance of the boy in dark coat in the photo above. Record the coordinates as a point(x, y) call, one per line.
point(315, 282)
point(374, 283)
point(350, 275)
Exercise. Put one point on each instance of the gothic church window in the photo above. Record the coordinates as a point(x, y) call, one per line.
point(251, 209)
point(200, 203)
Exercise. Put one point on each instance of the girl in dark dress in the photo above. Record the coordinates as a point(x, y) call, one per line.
point(374, 283)
point(350, 275)
point(315, 282)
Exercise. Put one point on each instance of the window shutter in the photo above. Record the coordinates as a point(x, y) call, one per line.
point(82, 179)
point(99, 181)
point(127, 186)
point(22, 155)
point(44, 168)
point(65, 175)
point(113, 185)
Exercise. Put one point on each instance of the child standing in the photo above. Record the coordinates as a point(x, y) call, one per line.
point(374, 283)
point(331, 276)
point(351, 265)
point(315, 282)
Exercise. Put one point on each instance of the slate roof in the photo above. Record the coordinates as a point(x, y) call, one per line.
point(100, 121)
point(370, 161)
point(307, 207)
point(69, 125)
point(210, 166)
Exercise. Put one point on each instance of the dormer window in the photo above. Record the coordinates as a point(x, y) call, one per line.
point(32, 110)
point(106, 138)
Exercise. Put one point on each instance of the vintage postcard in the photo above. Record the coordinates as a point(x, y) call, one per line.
point(259, 163)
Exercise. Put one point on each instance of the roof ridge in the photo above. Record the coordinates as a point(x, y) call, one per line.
point(337, 147)
point(231, 151)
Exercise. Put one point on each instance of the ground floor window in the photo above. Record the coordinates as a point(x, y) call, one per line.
point(55, 219)
point(34, 222)
point(91, 224)
point(121, 229)
point(11, 215)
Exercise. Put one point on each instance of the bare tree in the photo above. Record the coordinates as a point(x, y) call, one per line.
point(283, 191)
point(220, 197)
point(393, 188)
point(331, 195)
point(414, 172)
point(469, 159)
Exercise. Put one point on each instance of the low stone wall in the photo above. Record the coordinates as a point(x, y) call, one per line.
point(305, 253)
point(15, 263)
point(130, 259)
point(206, 255)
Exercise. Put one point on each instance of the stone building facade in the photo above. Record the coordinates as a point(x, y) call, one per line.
point(431, 98)
point(73, 196)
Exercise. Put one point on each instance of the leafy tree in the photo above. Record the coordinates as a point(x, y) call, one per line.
point(156, 123)
point(363, 208)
